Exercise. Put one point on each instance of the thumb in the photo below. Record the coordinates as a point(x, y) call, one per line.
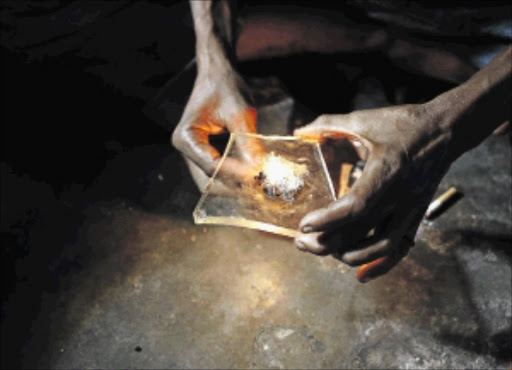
point(334, 126)
point(244, 122)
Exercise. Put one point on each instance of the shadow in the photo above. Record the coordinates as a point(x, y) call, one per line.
point(34, 263)
point(498, 345)
point(500, 243)
point(431, 291)
point(310, 79)
point(68, 142)
point(44, 254)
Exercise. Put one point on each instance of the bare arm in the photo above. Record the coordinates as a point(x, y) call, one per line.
point(411, 148)
point(213, 26)
point(220, 101)
point(472, 111)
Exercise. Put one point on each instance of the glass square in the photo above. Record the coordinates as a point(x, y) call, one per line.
point(289, 180)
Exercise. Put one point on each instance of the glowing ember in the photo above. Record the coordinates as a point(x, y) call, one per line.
point(281, 177)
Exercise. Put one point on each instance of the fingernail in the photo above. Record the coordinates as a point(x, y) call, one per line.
point(365, 279)
point(301, 246)
point(307, 229)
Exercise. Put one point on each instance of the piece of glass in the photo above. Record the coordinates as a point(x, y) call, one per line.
point(271, 189)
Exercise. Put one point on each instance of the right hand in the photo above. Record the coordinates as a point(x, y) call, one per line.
point(409, 154)
point(219, 103)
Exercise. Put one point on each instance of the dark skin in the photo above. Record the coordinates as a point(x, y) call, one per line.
point(220, 100)
point(411, 147)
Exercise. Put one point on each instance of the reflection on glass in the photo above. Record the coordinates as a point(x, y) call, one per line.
point(271, 189)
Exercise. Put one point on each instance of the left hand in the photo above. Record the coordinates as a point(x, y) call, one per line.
point(408, 157)
point(220, 102)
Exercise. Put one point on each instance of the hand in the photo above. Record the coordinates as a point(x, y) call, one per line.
point(411, 148)
point(220, 100)
point(218, 103)
point(408, 157)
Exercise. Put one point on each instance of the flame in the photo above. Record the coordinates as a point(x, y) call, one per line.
point(208, 122)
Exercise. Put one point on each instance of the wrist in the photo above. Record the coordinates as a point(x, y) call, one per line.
point(444, 113)
point(470, 112)
point(214, 36)
point(212, 57)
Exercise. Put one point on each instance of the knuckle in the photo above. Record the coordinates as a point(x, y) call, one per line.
point(354, 116)
point(322, 120)
point(177, 139)
point(183, 139)
point(415, 111)
point(334, 206)
point(392, 161)
point(318, 250)
point(209, 168)
point(386, 245)
point(349, 206)
point(356, 205)
point(349, 259)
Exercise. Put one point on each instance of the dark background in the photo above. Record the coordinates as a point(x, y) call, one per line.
point(73, 100)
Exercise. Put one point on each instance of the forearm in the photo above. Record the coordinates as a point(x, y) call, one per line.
point(213, 25)
point(470, 112)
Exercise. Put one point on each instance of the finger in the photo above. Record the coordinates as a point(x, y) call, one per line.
point(406, 232)
point(196, 148)
point(244, 121)
point(402, 225)
point(370, 250)
point(361, 150)
point(502, 129)
point(323, 243)
point(232, 170)
point(311, 243)
point(381, 266)
point(191, 137)
point(335, 126)
point(198, 175)
point(250, 147)
point(359, 204)
point(387, 236)
point(202, 181)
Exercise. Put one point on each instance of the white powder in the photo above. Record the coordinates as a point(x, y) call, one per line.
point(282, 176)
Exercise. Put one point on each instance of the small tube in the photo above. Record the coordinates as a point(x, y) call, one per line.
point(440, 201)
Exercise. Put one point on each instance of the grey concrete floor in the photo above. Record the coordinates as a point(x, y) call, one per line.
point(116, 275)
point(141, 286)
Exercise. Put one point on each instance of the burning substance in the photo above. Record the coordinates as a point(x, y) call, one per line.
point(286, 181)
point(281, 177)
